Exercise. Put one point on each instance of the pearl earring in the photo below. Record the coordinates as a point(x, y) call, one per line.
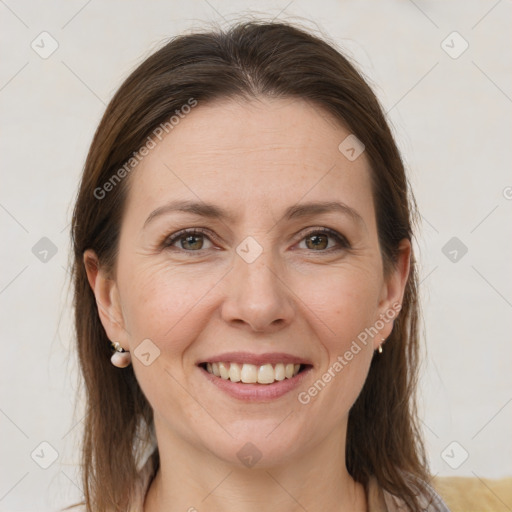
point(121, 357)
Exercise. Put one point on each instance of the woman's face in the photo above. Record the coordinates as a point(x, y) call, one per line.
point(261, 280)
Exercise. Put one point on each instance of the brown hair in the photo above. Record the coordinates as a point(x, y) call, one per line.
point(250, 59)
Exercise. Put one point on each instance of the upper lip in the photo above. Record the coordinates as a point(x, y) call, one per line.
point(256, 359)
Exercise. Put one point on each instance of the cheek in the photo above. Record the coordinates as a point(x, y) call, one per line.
point(162, 304)
point(347, 298)
point(349, 310)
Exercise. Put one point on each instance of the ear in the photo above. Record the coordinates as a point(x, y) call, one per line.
point(393, 290)
point(107, 299)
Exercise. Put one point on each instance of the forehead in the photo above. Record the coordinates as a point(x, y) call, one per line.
point(252, 154)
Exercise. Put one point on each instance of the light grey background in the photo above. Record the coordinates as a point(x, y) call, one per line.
point(451, 117)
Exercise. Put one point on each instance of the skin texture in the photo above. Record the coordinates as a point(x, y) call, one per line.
point(255, 158)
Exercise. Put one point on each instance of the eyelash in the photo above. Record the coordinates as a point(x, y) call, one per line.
point(342, 241)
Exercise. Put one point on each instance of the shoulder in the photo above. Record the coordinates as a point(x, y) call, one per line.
point(380, 500)
point(140, 488)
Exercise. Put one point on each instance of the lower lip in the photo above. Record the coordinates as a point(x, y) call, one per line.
point(256, 392)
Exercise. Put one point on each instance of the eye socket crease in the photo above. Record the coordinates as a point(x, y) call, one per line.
point(298, 211)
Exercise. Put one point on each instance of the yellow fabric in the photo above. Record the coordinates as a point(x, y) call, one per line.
point(472, 494)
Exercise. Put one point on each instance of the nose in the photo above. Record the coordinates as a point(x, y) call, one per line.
point(257, 295)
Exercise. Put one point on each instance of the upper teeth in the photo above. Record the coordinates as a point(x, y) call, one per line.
point(250, 373)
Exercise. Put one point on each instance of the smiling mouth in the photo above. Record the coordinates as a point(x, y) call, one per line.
point(253, 374)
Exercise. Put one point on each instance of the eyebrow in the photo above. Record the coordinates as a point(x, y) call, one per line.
point(212, 211)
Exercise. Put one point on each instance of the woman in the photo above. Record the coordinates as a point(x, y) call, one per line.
point(242, 239)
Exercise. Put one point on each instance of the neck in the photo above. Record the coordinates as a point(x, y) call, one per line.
point(190, 479)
